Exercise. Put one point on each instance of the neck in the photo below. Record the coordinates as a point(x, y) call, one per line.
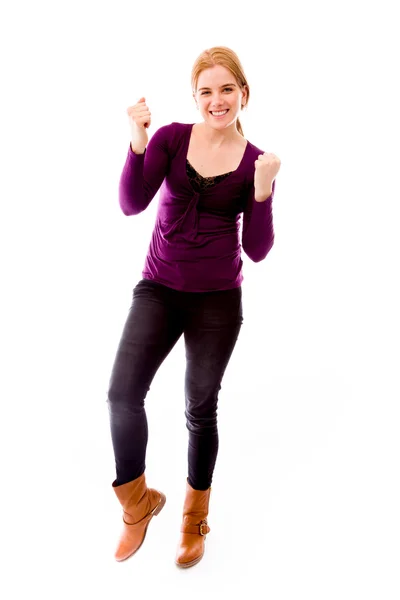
point(216, 137)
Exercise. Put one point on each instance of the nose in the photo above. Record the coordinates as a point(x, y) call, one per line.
point(217, 100)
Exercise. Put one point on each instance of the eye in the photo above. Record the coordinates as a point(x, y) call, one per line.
point(225, 89)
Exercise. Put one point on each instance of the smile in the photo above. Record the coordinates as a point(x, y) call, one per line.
point(219, 113)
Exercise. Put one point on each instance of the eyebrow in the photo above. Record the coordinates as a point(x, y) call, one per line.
point(225, 85)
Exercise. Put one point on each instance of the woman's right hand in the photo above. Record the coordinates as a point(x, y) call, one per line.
point(139, 120)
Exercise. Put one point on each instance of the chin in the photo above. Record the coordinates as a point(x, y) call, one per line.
point(215, 124)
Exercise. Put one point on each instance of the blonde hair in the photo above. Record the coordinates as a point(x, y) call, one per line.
point(221, 55)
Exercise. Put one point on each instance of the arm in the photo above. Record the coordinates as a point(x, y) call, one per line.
point(258, 228)
point(144, 173)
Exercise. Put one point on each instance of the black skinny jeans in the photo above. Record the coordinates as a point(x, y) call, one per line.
point(210, 322)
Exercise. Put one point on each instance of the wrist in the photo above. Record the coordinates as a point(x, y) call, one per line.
point(263, 192)
point(137, 149)
point(262, 195)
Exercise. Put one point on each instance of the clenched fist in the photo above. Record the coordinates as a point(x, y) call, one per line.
point(266, 168)
point(139, 120)
point(139, 114)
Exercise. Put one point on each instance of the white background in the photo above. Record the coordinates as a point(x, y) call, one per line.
point(306, 489)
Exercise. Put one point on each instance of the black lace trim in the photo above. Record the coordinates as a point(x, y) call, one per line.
point(199, 182)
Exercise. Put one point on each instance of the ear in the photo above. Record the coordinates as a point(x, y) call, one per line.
point(244, 97)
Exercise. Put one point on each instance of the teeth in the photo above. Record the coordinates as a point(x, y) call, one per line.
point(221, 112)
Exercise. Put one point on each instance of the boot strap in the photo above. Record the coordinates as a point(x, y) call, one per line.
point(146, 517)
point(201, 528)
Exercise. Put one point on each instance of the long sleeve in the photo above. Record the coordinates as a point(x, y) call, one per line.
point(258, 228)
point(143, 174)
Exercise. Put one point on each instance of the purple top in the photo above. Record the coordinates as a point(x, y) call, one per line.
point(195, 245)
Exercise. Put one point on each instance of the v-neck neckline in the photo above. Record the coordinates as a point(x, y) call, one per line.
point(186, 149)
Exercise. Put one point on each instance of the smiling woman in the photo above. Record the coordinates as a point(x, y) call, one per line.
point(208, 175)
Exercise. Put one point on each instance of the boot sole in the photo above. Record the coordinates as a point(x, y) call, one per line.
point(189, 564)
point(153, 513)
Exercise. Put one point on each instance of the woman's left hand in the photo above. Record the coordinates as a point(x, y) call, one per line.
point(266, 169)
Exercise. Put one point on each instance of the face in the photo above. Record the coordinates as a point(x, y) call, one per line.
point(219, 97)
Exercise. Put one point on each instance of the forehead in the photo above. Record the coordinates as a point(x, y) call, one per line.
point(215, 77)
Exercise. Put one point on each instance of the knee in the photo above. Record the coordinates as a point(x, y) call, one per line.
point(201, 420)
point(126, 390)
point(122, 403)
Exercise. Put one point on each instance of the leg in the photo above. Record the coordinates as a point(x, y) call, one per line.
point(211, 332)
point(151, 331)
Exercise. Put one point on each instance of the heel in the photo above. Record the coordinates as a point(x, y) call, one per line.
point(160, 505)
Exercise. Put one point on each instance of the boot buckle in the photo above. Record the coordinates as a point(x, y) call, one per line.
point(203, 524)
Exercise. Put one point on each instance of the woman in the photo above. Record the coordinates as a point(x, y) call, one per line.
point(207, 174)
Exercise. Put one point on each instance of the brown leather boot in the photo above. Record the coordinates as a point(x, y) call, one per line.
point(194, 527)
point(139, 504)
